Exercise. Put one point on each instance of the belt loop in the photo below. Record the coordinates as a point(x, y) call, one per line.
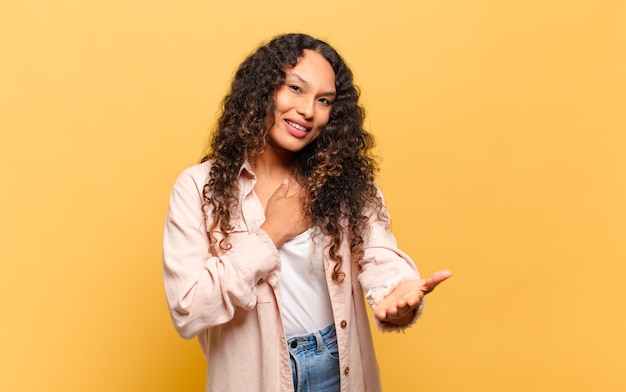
point(320, 342)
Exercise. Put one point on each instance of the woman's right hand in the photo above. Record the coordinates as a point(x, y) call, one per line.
point(284, 214)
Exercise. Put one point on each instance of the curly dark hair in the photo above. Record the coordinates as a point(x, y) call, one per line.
point(337, 169)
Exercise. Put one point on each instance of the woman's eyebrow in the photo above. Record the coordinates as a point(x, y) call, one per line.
point(300, 78)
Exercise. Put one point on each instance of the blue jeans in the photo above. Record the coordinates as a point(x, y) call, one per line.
point(315, 361)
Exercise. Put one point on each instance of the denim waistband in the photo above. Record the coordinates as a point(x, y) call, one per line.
point(312, 341)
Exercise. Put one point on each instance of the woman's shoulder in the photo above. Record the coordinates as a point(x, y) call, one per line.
point(197, 175)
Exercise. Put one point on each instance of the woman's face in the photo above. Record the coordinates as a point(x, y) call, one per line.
point(302, 104)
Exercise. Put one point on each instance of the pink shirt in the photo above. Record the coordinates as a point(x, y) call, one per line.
point(230, 300)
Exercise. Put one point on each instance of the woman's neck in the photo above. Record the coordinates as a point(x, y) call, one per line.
point(273, 165)
point(270, 171)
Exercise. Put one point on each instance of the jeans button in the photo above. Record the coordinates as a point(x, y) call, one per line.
point(294, 344)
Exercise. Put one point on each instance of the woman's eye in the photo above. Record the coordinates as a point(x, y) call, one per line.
point(326, 101)
point(295, 88)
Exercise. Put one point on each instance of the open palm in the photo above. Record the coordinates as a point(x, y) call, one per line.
point(398, 306)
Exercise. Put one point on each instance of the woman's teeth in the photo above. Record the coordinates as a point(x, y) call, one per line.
point(297, 126)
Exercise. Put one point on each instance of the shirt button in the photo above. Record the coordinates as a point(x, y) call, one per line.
point(294, 344)
point(343, 324)
point(347, 371)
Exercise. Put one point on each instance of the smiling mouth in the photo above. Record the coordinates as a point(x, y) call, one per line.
point(297, 126)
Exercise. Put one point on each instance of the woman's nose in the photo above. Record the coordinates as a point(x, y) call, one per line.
point(307, 108)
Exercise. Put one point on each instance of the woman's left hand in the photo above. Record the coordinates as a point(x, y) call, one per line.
point(398, 307)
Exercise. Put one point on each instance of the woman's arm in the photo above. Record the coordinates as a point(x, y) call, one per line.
point(204, 289)
point(389, 277)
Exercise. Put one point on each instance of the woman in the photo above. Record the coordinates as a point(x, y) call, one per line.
point(272, 238)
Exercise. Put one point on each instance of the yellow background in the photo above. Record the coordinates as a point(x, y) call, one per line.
point(501, 127)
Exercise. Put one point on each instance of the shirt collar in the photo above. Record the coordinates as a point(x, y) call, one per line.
point(246, 170)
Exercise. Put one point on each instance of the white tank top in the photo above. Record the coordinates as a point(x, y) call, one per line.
point(305, 302)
